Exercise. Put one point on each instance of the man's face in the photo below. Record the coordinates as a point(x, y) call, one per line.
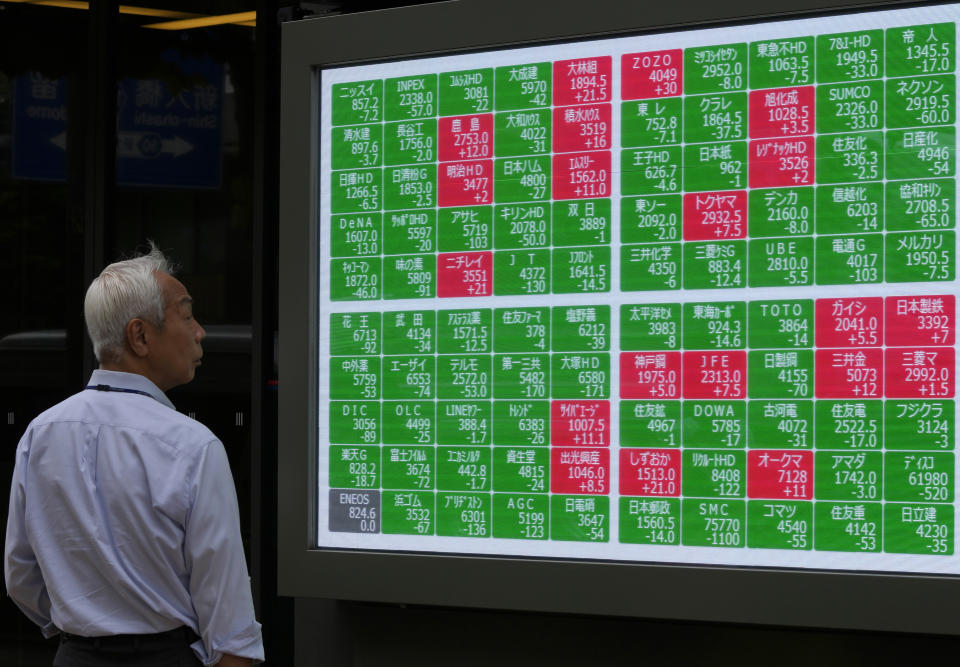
point(175, 350)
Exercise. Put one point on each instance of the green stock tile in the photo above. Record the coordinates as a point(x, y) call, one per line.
point(409, 276)
point(850, 56)
point(920, 256)
point(718, 325)
point(780, 212)
point(464, 376)
point(408, 513)
point(848, 476)
point(921, 49)
point(650, 423)
point(721, 166)
point(650, 267)
point(465, 228)
point(521, 469)
point(523, 86)
point(356, 146)
point(409, 377)
point(717, 117)
point(409, 423)
point(785, 323)
point(356, 279)
point(354, 467)
point(521, 422)
point(521, 272)
point(410, 332)
point(922, 477)
point(521, 225)
point(775, 424)
point(526, 132)
point(779, 524)
point(921, 204)
point(918, 529)
point(654, 326)
point(782, 262)
point(408, 467)
point(651, 122)
point(916, 101)
point(714, 264)
point(584, 328)
point(851, 157)
point(651, 171)
point(354, 333)
point(580, 518)
point(850, 424)
point(357, 102)
point(521, 329)
point(650, 219)
point(468, 330)
point(410, 141)
point(714, 69)
point(409, 232)
point(714, 523)
point(355, 422)
point(410, 97)
point(464, 468)
point(850, 209)
point(921, 153)
point(581, 270)
point(409, 187)
point(581, 222)
point(521, 376)
point(780, 374)
point(356, 190)
point(580, 375)
point(354, 378)
point(920, 425)
point(714, 424)
point(776, 63)
point(850, 107)
point(713, 474)
point(521, 517)
point(463, 514)
point(650, 521)
point(520, 179)
point(356, 235)
point(849, 260)
point(464, 422)
point(848, 527)
point(466, 92)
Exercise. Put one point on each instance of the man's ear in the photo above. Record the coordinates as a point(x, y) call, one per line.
point(137, 335)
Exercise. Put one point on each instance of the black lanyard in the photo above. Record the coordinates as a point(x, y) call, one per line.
point(121, 390)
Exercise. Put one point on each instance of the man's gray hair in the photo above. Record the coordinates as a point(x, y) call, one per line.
point(123, 291)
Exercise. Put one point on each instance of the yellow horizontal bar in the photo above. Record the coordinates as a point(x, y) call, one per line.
point(186, 24)
point(123, 9)
point(158, 13)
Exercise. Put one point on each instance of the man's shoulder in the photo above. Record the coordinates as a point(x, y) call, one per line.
point(129, 412)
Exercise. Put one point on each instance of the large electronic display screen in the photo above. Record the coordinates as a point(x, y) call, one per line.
point(683, 297)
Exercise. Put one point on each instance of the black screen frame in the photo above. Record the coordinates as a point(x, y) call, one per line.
point(810, 598)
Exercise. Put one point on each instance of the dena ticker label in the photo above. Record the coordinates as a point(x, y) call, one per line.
point(618, 300)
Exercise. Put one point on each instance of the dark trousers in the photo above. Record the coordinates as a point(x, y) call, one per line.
point(168, 649)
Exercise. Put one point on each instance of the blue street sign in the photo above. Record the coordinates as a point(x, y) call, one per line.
point(39, 128)
point(167, 135)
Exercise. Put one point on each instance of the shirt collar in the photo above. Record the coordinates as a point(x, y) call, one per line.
point(123, 380)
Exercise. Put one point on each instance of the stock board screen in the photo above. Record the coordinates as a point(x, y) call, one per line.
point(681, 297)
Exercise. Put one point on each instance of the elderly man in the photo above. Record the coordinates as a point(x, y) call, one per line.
point(123, 534)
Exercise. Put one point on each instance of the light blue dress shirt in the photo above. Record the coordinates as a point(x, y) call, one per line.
point(123, 520)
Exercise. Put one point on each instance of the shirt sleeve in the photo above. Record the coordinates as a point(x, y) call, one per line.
point(219, 583)
point(22, 574)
